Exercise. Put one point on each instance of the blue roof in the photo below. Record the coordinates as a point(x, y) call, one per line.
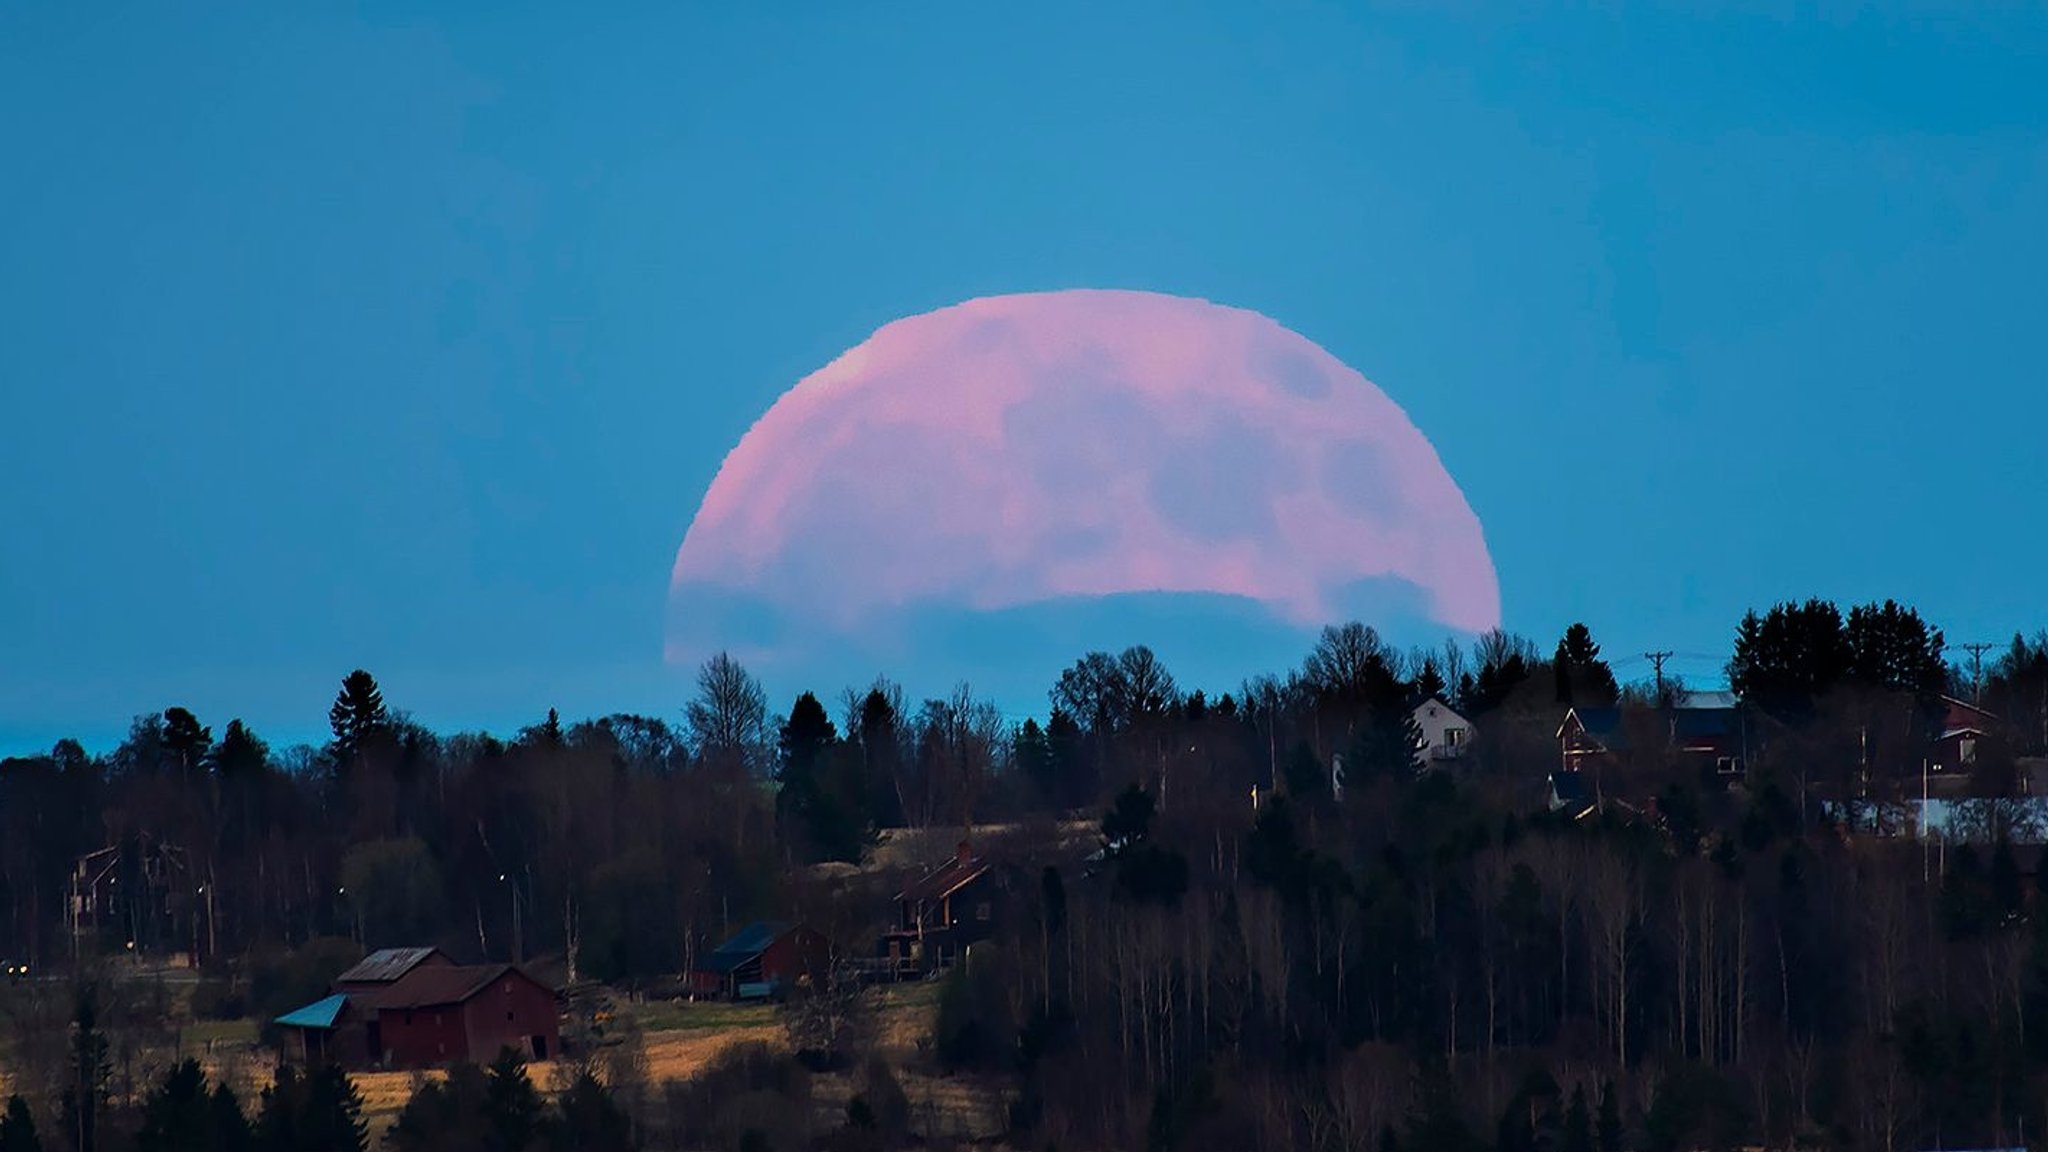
point(318, 1014)
point(748, 943)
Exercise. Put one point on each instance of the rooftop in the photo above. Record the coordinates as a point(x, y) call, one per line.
point(386, 965)
point(746, 944)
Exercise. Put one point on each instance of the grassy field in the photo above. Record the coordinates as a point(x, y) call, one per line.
point(678, 1037)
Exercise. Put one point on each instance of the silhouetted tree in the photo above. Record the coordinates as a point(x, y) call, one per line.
point(729, 716)
point(357, 715)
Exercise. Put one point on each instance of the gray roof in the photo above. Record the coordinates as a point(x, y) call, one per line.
point(1716, 699)
point(385, 965)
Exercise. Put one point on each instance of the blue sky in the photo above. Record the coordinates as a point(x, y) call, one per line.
point(334, 338)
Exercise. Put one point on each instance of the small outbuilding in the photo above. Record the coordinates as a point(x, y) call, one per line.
point(762, 961)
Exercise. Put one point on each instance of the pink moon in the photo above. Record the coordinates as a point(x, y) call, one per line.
point(1023, 449)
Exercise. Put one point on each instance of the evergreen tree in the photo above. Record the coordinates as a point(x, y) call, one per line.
point(1429, 681)
point(231, 1132)
point(177, 1116)
point(442, 1116)
point(357, 715)
point(318, 1112)
point(821, 789)
point(587, 1119)
point(1583, 678)
point(186, 741)
point(1891, 647)
point(239, 755)
point(1786, 659)
point(18, 1128)
point(511, 1107)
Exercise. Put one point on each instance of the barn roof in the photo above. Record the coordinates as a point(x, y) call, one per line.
point(319, 1014)
point(386, 965)
point(746, 944)
point(442, 984)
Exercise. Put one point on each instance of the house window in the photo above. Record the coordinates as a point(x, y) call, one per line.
point(1454, 737)
point(1728, 765)
point(981, 911)
point(1967, 751)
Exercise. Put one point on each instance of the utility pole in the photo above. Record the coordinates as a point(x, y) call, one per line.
point(1976, 651)
point(1656, 660)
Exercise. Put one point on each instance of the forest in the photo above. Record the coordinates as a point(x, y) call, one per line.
point(1285, 927)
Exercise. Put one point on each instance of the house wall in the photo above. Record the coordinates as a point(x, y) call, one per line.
point(510, 1014)
point(798, 953)
point(1435, 720)
point(423, 1037)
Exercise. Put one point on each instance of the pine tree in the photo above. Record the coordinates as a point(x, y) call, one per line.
point(177, 1116)
point(511, 1107)
point(231, 1132)
point(357, 714)
point(1582, 676)
point(587, 1119)
point(186, 741)
point(318, 1112)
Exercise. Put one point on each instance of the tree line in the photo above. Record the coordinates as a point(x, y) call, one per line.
point(1289, 935)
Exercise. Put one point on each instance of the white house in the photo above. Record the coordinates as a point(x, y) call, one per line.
point(1445, 734)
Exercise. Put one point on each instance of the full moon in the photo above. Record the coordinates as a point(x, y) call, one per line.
point(1018, 452)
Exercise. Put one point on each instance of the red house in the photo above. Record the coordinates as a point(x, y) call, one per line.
point(941, 913)
point(1965, 730)
point(763, 960)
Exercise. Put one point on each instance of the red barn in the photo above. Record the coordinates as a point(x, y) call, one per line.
point(448, 1014)
point(415, 1008)
point(762, 960)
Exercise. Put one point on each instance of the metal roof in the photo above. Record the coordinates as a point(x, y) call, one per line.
point(746, 944)
point(385, 965)
point(442, 984)
point(947, 878)
point(318, 1014)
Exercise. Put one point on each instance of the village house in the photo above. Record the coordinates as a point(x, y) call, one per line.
point(125, 897)
point(1704, 733)
point(762, 961)
point(416, 1008)
point(1967, 732)
point(941, 913)
point(1444, 736)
